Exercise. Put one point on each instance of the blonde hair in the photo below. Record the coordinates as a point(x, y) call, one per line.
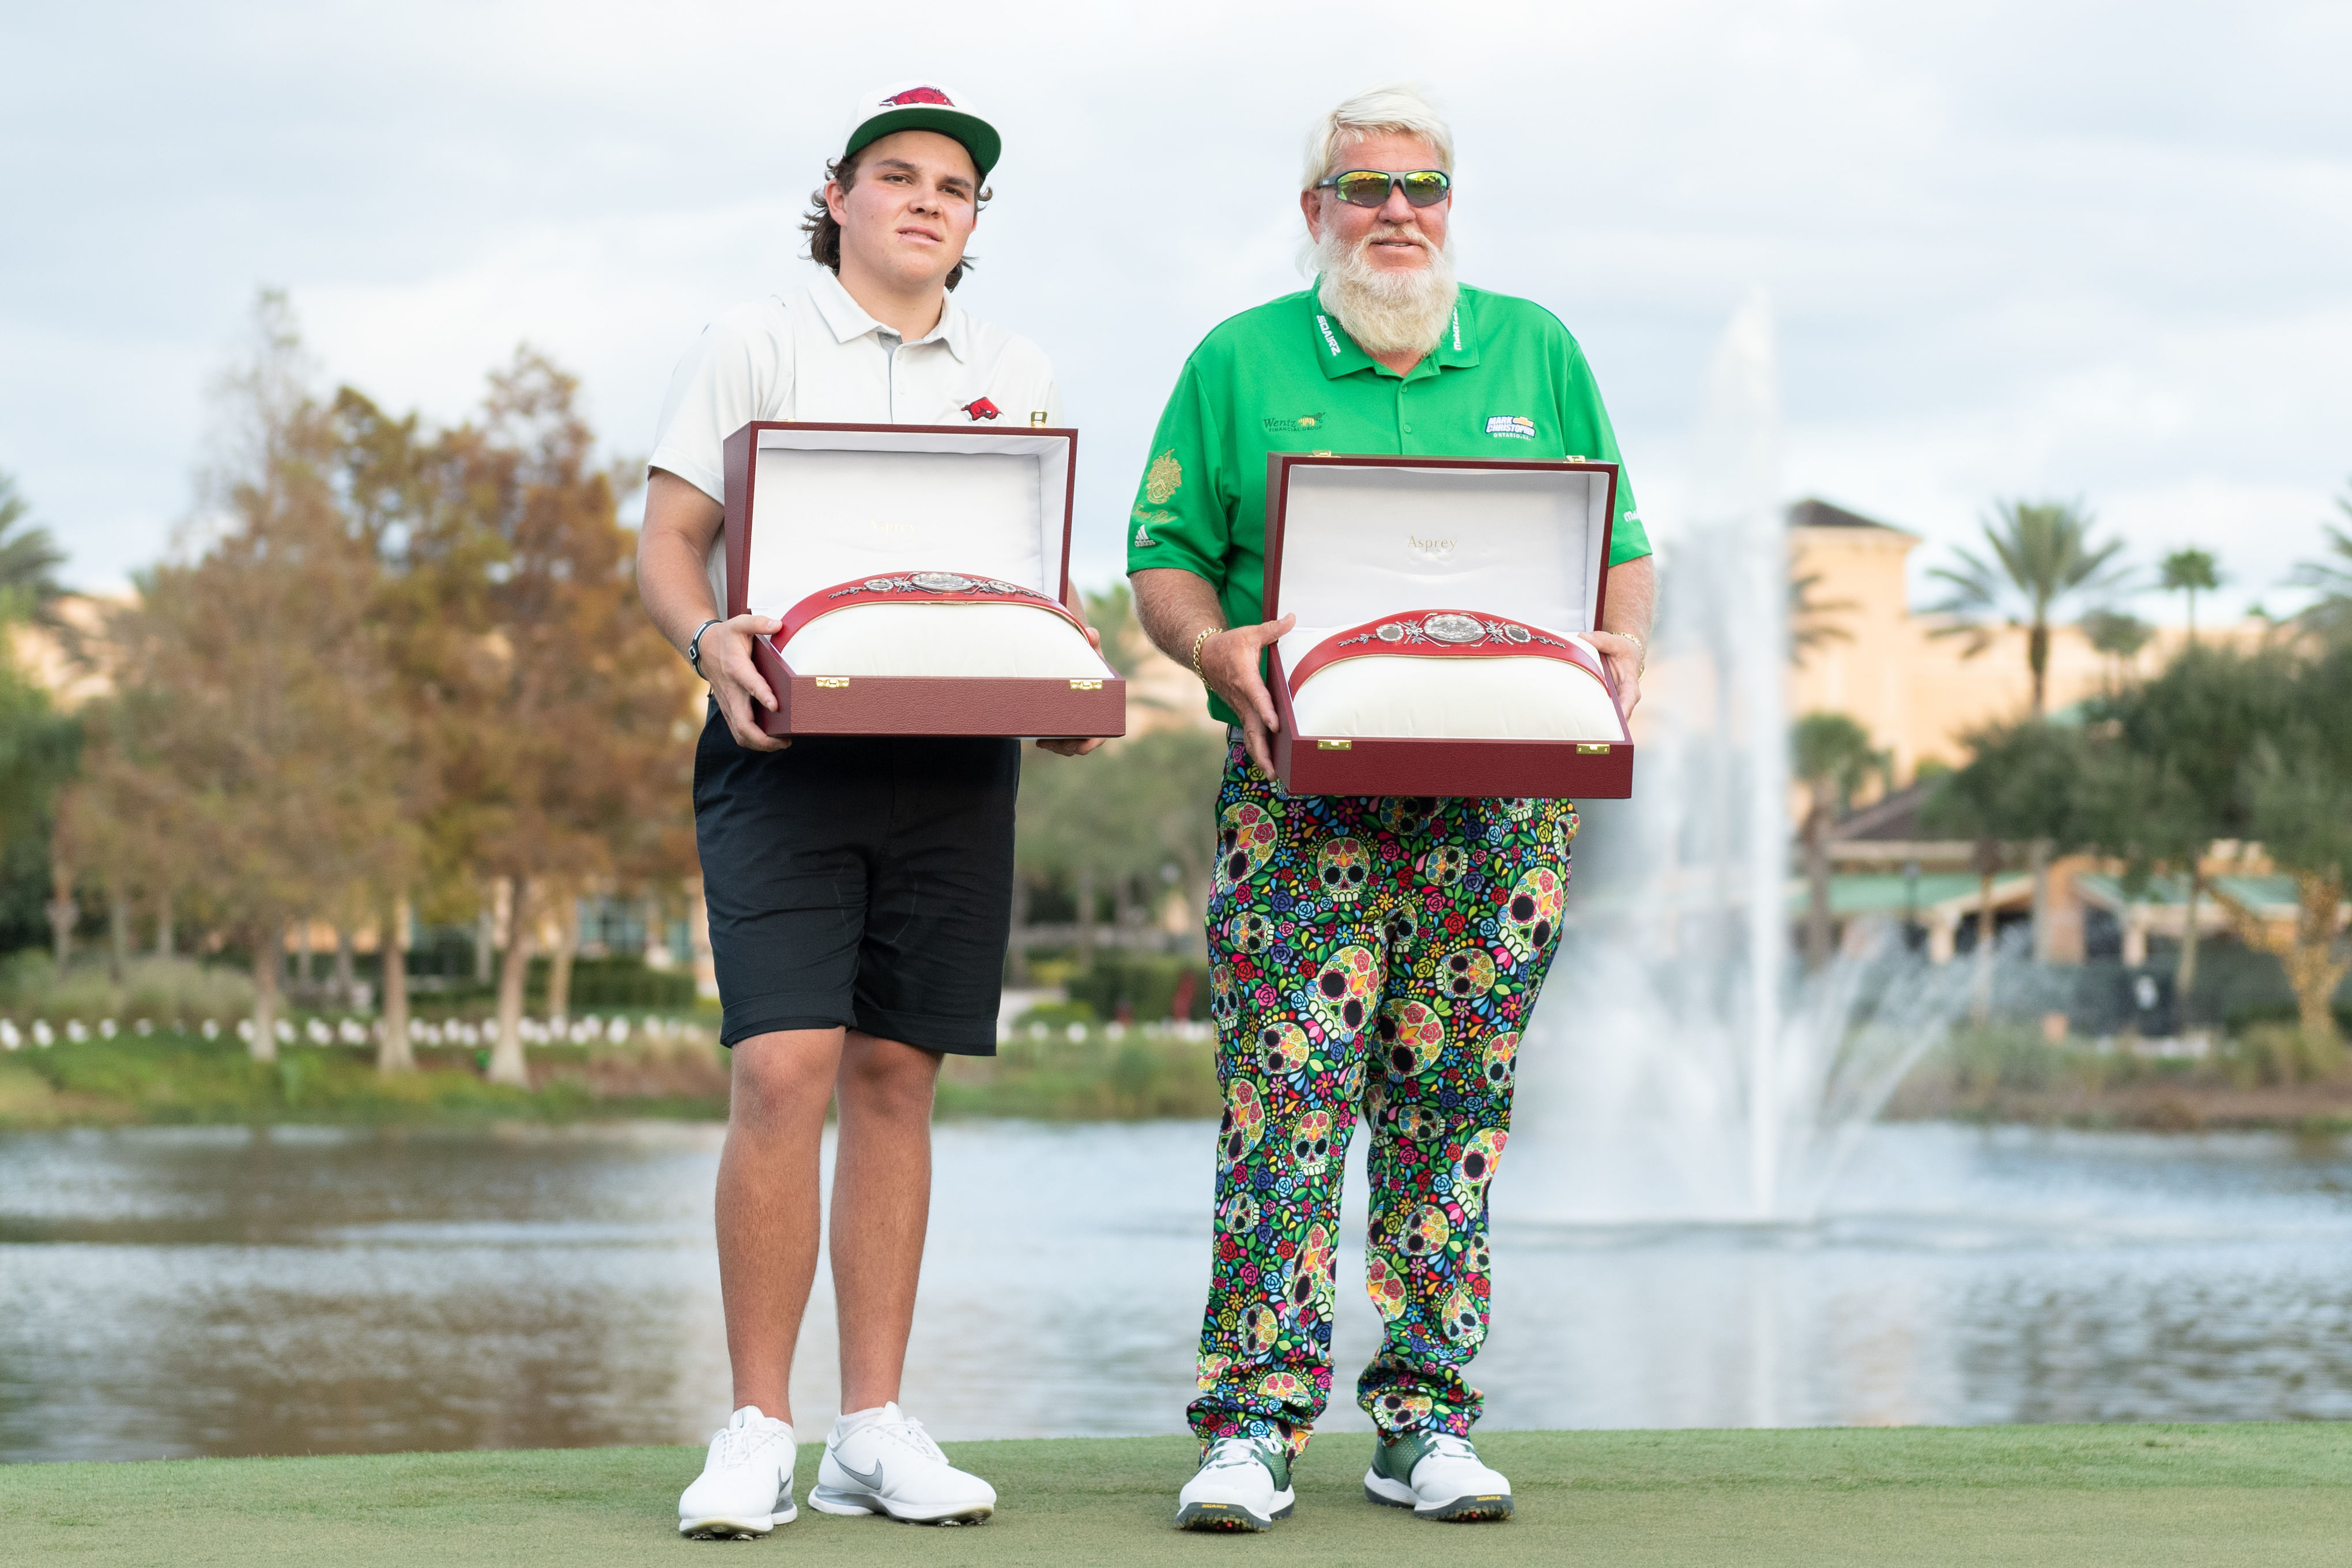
point(1393, 109)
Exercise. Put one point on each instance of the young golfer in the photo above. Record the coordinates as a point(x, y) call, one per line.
point(859, 889)
point(1372, 956)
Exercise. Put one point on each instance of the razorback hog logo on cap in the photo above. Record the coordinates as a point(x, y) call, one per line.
point(981, 408)
point(919, 95)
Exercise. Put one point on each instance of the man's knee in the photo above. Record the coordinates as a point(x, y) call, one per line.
point(887, 1077)
point(780, 1076)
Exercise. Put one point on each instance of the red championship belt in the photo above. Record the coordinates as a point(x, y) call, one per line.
point(917, 588)
point(1445, 634)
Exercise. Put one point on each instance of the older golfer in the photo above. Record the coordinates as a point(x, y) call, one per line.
point(1400, 985)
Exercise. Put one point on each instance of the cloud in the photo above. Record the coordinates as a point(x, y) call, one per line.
point(2057, 248)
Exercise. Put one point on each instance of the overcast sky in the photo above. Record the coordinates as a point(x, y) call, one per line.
point(2044, 250)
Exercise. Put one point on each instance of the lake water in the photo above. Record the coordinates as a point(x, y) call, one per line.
point(170, 1292)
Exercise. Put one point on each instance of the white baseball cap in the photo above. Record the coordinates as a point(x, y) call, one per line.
point(923, 104)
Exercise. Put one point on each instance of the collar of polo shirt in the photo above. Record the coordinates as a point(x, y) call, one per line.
point(847, 320)
point(1340, 354)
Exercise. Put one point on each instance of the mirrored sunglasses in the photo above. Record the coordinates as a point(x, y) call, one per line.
point(1370, 188)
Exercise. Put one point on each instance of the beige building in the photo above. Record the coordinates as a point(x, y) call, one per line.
point(1917, 693)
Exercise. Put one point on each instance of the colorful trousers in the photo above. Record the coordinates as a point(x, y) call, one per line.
point(1377, 956)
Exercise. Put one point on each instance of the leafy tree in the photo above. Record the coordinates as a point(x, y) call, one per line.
point(2189, 572)
point(2023, 784)
point(2040, 556)
point(2118, 636)
point(2331, 612)
point(40, 751)
point(422, 610)
point(2299, 797)
point(30, 589)
point(1118, 818)
point(39, 748)
point(570, 749)
point(262, 728)
point(1833, 755)
point(2173, 782)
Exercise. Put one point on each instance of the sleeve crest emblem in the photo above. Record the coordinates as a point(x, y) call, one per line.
point(1165, 476)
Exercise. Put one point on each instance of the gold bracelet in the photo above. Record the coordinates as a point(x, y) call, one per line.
point(1198, 643)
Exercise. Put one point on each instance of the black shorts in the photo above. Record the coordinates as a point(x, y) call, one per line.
point(859, 880)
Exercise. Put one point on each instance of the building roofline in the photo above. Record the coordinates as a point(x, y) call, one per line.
point(1814, 512)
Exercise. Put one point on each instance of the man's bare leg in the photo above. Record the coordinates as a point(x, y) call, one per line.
point(881, 1208)
point(767, 1204)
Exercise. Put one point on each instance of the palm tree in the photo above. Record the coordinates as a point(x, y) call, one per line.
point(2042, 555)
point(1813, 621)
point(2186, 572)
point(30, 589)
point(1834, 756)
point(2331, 612)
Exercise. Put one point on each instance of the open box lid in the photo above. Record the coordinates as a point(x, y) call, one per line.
point(822, 504)
point(1356, 539)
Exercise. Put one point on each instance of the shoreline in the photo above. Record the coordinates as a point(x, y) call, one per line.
point(1993, 1078)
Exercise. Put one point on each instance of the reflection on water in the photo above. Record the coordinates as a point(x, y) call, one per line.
point(217, 1291)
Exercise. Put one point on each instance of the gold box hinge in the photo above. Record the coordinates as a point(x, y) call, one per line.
point(1086, 686)
point(1592, 747)
point(1335, 745)
point(832, 682)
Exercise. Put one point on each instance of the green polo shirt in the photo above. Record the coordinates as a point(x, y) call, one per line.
point(1507, 380)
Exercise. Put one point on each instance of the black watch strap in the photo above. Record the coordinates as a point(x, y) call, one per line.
point(694, 644)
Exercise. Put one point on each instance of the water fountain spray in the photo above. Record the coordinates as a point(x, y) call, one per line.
point(1676, 1068)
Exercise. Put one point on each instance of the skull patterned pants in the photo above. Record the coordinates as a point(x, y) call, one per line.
point(1377, 956)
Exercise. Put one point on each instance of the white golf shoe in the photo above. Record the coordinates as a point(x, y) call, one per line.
point(1438, 1476)
point(746, 1486)
point(882, 1461)
point(1243, 1483)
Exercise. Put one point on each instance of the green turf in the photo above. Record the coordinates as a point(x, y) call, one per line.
point(2255, 1494)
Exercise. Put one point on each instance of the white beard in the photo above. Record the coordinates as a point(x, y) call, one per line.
point(1387, 310)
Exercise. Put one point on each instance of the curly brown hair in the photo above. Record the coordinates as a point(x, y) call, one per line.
point(824, 233)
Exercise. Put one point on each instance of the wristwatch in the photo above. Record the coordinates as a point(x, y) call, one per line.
point(694, 644)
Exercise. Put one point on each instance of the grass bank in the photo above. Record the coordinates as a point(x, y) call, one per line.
point(2146, 1496)
point(181, 1077)
point(1087, 1072)
point(2261, 1076)
point(174, 1076)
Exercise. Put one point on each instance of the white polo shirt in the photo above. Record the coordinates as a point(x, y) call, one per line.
point(819, 356)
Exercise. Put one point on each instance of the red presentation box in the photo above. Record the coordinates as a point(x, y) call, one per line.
point(919, 571)
point(1392, 562)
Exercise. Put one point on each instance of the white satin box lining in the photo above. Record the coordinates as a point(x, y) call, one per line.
point(1403, 697)
point(948, 639)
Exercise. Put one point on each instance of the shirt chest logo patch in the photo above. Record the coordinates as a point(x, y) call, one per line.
point(1516, 425)
point(981, 408)
point(1303, 422)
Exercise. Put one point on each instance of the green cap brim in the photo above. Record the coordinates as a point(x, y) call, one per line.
point(979, 138)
